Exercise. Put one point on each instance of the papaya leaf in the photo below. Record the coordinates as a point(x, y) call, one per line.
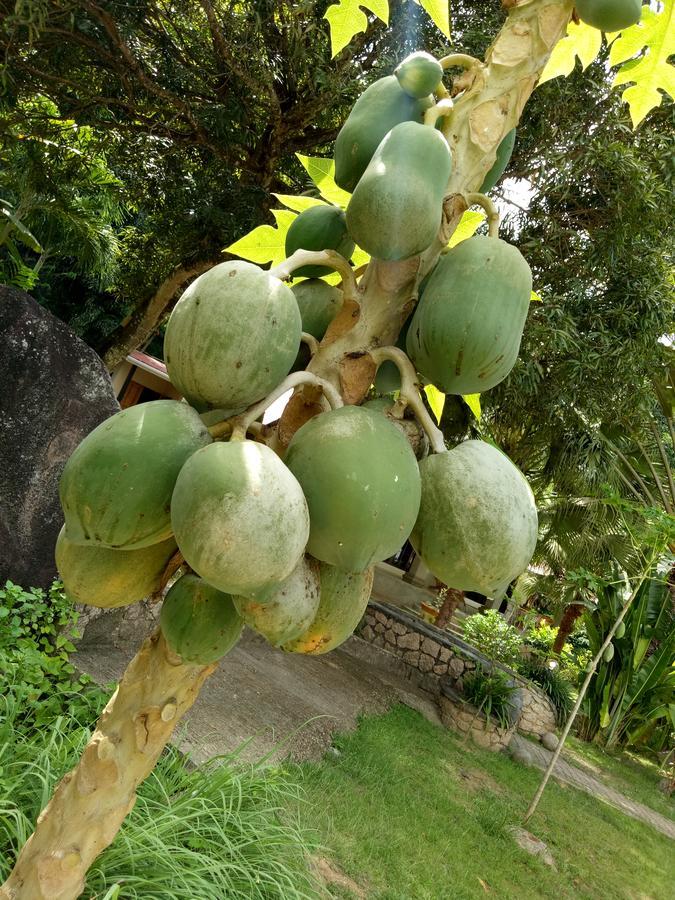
point(467, 227)
point(266, 243)
point(473, 402)
point(298, 204)
point(436, 401)
point(439, 12)
point(535, 298)
point(360, 258)
point(322, 172)
point(346, 18)
point(651, 73)
point(581, 41)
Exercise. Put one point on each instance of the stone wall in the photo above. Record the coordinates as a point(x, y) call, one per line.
point(464, 718)
point(432, 655)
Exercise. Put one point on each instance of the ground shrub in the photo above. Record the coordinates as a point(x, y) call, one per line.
point(490, 692)
point(553, 683)
point(489, 633)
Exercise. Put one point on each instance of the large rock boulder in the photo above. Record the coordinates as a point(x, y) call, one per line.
point(54, 391)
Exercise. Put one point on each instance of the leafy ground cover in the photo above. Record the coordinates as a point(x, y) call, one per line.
point(411, 813)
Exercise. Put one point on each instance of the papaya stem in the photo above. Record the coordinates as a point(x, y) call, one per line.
point(459, 59)
point(311, 342)
point(443, 108)
point(409, 392)
point(328, 258)
point(241, 423)
point(475, 199)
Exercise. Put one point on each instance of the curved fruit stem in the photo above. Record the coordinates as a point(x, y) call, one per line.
point(410, 393)
point(493, 217)
point(443, 108)
point(328, 258)
point(311, 342)
point(92, 800)
point(459, 59)
point(241, 423)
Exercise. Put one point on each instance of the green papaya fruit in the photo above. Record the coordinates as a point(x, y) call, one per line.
point(608, 655)
point(239, 517)
point(343, 601)
point(199, 623)
point(319, 228)
point(362, 485)
point(609, 15)
point(99, 576)
point(213, 355)
point(381, 106)
point(318, 303)
point(116, 487)
point(466, 330)
point(504, 152)
point(379, 404)
point(396, 208)
point(477, 524)
point(620, 630)
point(289, 609)
point(419, 74)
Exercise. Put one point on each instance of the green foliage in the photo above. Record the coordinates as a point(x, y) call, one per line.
point(489, 633)
point(554, 685)
point(491, 693)
point(573, 659)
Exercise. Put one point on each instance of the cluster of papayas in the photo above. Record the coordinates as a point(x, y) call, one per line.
point(609, 15)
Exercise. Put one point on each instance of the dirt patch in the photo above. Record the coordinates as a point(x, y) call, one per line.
point(475, 779)
point(329, 874)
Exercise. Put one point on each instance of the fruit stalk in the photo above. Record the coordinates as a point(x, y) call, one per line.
point(92, 800)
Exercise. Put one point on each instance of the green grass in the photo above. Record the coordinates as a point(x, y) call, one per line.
point(411, 814)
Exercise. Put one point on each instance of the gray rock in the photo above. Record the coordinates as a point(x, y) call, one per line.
point(426, 663)
point(456, 667)
point(55, 391)
point(532, 845)
point(550, 740)
point(398, 627)
point(521, 755)
point(367, 633)
point(410, 641)
point(379, 628)
point(430, 647)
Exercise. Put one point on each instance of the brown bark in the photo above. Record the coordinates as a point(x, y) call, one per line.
point(91, 801)
point(448, 608)
point(566, 627)
point(145, 320)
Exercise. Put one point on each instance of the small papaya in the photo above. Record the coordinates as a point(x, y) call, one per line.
point(419, 74)
point(609, 15)
point(239, 517)
point(319, 303)
point(608, 655)
point(116, 487)
point(319, 228)
point(381, 106)
point(213, 355)
point(362, 485)
point(465, 333)
point(620, 630)
point(396, 208)
point(504, 152)
point(199, 623)
point(343, 600)
point(289, 609)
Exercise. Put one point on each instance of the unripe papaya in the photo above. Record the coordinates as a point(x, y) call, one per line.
point(608, 655)
point(504, 152)
point(362, 485)
point(99, 576)
point(319, 228)
point(477, 525)
point(381, 106)
point(419, 74)
point(396, 208)
point(116, 487)
point(213, 355)
point(466, 330)
point(620, 630)
point(239, 517)
point(288, 610)
point(199, 623)
point(318, 303)
point(343, 601)
point(609, 15)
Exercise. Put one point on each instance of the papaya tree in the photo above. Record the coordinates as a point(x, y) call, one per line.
point(280, 526)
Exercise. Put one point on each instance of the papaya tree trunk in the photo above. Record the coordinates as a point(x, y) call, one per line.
point(566, 627)
point(90, 803)
point(92, 800)
point(448, 608)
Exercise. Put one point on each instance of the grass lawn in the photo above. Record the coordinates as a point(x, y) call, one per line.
point(410, 813)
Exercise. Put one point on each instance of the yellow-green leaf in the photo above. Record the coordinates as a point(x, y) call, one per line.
point(346, 18)
point(436, 401)
point(581, 41)
point(322, 172)
point(467, 227)
point(439, 11)
point(473, 402)
point(298, 204)
point(360, 258)
point(535, 298)
point(265, 244)
point(651, 73)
